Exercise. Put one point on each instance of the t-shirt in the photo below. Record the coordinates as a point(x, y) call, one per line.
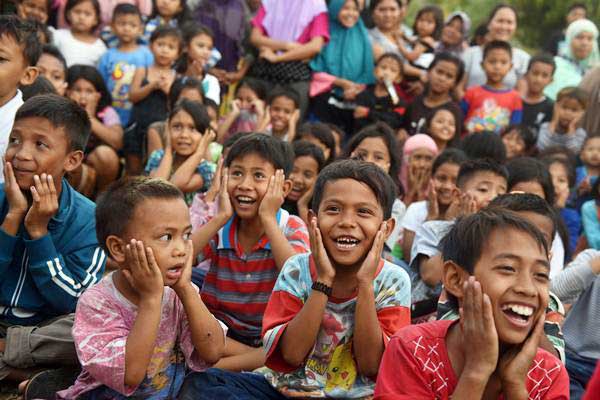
point(473, 56)
point(330, 369)
point(415, 216)
point(572, 141)
point(534, 115)
point(117, 69)
point(416, 366)
point(487, 109)
point(380, 109)
point(75, 51)
point(418, 113)
point(103, 321)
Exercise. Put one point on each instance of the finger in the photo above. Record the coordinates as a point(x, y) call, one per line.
point(467, 304)
point(130, 257)
point(141, 253)
point(35, 195)
point(52, 189)
point(152, 264)
point(37, 182)
point(488, 314)
point(127, 274)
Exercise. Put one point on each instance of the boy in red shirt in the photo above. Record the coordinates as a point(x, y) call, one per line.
point(496, 267)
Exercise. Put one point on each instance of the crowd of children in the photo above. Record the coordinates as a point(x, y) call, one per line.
point(238, 199)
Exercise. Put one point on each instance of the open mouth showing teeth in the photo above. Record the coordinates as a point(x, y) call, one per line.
point(346, 242)
point(518, 312)
point(244, 200)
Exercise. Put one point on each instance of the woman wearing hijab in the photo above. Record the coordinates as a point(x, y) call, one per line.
point(580, 55)
point(288, 34)
point(347, 60)
point(454, 34)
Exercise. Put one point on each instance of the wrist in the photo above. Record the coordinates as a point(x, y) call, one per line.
point(325, 279)
point(365, 284)
point(184, 290)
point(15, 215)
point(36, 232)
point(150, 301)
point(322, 287)
point(514, 390)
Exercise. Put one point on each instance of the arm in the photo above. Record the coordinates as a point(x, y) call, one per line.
point(577, 277)
point(138, 92)
point(259, 39)
point(368, 336)
point(407, 241)
point(111, 135)
point(411, 55)
point(301, 52)
point(225, 125)
point(165, 166)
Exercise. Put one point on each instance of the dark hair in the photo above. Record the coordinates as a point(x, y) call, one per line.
point(451, 58)
point(521, 202)
point(286, 92)
point(438, 16)
point(454, 142)
point(196, 110)
point(189, 31)
point(566, 164)
point(337, 130)
point(595, 191)
point(467, 238)
point(126, 9)
point(480, 31)
point(253, 84)
point(90, 74)
point(210, 103)
point(375, 3)
point(61, 113)
point(184, 15)
point(527, 169)
point(497, 45)
point(53, 51)
point(41, 85)
point(371, 175)
point(383, 131)
point(559, 152)
point(394, 57)
point(449, 156)
point(302, 148)
point(24, 34)
point(499, 7)
point(276, 152)
point(116, 206)
point(232, 139)
point(484, 145)
point(167, 31)
point(577, 5)
point(574, 93)
point(542, 58)
point(41, 30)
point(526, 133)
point(74, 3)
point(322, 133)
point(182, 83)
point(469, 168)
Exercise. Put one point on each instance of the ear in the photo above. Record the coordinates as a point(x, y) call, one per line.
point(287, 187)
point(116, 248)
point(453, 278)
point(389, 228)
point(73, 160)
point(29, 75)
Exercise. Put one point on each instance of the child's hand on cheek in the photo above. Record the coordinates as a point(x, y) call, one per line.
point(143, 273)
point(225, 207)
point(185, 280)
point(325, 271)
point(44, 206)
point(273, 198)
point(366, 273)
point(454, 209)
point(17, 203)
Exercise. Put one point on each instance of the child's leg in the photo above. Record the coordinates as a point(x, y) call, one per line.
point(240, 357)
point(105, 161)
point(83, 179)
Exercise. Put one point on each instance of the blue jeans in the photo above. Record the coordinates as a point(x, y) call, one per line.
point(580, 371)
point(224, 385)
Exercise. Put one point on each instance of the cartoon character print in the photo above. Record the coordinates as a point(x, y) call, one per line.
point(122, 75)
point(341, 373)
point(489, 117)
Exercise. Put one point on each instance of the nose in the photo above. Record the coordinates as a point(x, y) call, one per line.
point(524, 285)
point(245, 182)
point(23, 153)
point(179, 248)
point(347, 220)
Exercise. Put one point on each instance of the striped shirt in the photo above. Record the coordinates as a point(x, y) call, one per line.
point(237, 287)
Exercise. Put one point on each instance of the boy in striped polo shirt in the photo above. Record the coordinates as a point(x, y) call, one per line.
point(247, 243)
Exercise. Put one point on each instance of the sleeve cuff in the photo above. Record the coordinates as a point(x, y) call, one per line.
point(7, 244)
point(40, 250)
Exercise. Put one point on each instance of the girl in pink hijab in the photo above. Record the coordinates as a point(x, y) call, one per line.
point(415, 173)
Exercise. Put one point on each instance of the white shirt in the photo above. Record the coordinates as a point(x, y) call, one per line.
point(75, 51)
point(7, 118)
point(415, 216)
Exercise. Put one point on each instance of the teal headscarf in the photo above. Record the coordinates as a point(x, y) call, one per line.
point(348, 54)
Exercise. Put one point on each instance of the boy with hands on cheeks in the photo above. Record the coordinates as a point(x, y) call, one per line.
point(143, 326)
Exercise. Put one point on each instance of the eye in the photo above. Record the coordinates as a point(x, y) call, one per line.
point(506, 268)
point(236, 173)
point(332, 209)
point(259, 176)
point(187, 236)
point(542, 276)
point(39, 143)
point(13, 140)
point(166, 237)
point(365, 211)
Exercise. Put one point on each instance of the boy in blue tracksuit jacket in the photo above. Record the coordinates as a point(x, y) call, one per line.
point(49, 253)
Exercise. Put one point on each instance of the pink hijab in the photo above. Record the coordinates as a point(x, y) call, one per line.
point(418, 141)
point(286, 20)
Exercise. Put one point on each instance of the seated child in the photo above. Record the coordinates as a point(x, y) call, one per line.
point(484, 145)
point(52, 66)
point(564, 129)
point(590, 217)
point(496, 268)
point(519, 141)
point(183, 160)
point(247, 110)
point(442, 128)
point(247, 242)
point(380, 101)
point(331, 312)
point(22, 50)
point(322, 136)
point(140, 329)
point(493, 106)
point(587, 174)
point(418, 154)
point(308, 162)
point(537, 108)
point(283, 114)
point(33, 10)
point(49, 254)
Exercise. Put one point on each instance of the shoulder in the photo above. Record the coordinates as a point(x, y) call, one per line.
point(392, 277)
point(295, 276)
point(589, 207)
point(520, 55)
point(294, 222)
point(413, 335)
point(547, 372)
point(80, 205)
point(471, 54)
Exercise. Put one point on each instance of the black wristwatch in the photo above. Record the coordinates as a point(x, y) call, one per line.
point(323, 288)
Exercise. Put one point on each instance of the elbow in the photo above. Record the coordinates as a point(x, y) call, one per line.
point(212, 355)
point(293, 357)
point(135, 378)
point(369, 369)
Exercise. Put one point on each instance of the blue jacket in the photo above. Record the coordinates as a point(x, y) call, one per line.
point(43, 278)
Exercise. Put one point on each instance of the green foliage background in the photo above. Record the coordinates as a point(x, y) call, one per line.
point(537, 18)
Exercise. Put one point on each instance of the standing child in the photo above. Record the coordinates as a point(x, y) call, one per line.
point(283, 114)
point(143, 326)
point(332, 312)
point(587, 174)
point(117, 66)
point(418, 155)
point(442, 128)
point(247, 110)
point(519, 141)
point(564, 129)
point(183, 160)
point(493, 106)
point(149, 91)
point(537, 108)
point(53, 66)
point(79, 44)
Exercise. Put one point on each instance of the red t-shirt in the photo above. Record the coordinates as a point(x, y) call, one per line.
point(416, 366)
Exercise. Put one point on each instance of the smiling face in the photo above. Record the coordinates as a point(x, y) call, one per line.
point(303, 176)
point(503, 25)
point(444, 182)
point(167, 236)
point(349, 14)
point(36, 10)
point(373, 150)
point(496, 64)
point(184, 136)
point(52, 69)
point(442, 126)
point(281, 110)
point(349, 217)
point(514, 144)
point(484, 186)
point(199, 48)
point(452, 32)
point(83, 17)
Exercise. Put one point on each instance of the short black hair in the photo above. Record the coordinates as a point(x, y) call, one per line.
point(61, 113)
point(322, 132)
point(392, 56)
point(484, 145)
point(53, 51)
point(497, 45)
point(196, 110)
point(115, 207)
point(286, 92)
point(277, 152)
point(451, 58)
point(469, 168)
point(253, 84)
point(183, 17)
point(526, 133)
point(521, 202)
point(466, 240)
point(449, 156)
point(181, 83)
point(528, 169)
point(542, 58)
point(24, 34)
point(232, 139)
point(41, 85)
point(577, 5)
point(126, 9)
point(90, 74)
point(574, 93)
point(302, 148)
point(566, 164)
point(369, 174)
point(73, 3)
point(167, 31)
